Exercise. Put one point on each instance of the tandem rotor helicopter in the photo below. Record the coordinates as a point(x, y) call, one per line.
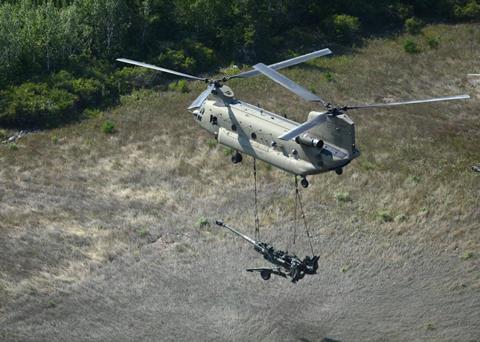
point(325, 142)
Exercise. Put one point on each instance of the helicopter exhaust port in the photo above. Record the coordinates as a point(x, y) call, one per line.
point(308, 141)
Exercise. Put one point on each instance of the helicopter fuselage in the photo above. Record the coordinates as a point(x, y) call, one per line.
point(254, 131)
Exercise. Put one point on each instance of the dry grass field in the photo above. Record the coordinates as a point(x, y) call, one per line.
point(103, 237)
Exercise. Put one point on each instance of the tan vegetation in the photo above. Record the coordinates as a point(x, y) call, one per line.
point(110, 224)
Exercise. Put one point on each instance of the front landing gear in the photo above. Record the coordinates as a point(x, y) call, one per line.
point(304, 182)
point(236, 158)
point(339, 171)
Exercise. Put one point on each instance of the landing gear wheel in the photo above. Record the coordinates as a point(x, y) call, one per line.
point(304, 182)
point(339, 171)
point(236, 158)
point(265, 274)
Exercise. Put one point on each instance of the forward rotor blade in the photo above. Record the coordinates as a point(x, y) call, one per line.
point(202, 97)
point(149, 66)
point(288, 83)
point(292, 134)
point(378, 105)
point(286, 63)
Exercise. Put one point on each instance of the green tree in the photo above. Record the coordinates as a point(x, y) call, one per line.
point(104, 25)
point(469, 11)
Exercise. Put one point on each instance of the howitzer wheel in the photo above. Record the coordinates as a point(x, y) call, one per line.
point(265, 274)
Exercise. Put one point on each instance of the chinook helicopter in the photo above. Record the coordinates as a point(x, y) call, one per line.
point(325, 142)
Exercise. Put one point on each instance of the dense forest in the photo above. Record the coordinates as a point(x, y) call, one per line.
point(57, 58)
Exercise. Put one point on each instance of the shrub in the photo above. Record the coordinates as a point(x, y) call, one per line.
point(342, 196)
point(130, 78)
point(92, 113)
point(142, 232)
point(385, 216)
point(413, 25)
point(203, 56)
point(177, 60)
point(36, 104)
point(414, 179)
point(108, 127)
point(61, 79)
point(212, 143)
point(231, 70)
point(433, 42)
point(467, 255)
point(203, 222)
point(179, 86)
point(410, 46)
point(93, 90)
point(328, 76)
point(344, 28)
point(88, 90)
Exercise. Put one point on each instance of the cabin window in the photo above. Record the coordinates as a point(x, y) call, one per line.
point(213, 120)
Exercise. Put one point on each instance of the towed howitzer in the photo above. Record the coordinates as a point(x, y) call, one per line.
point(289, 265)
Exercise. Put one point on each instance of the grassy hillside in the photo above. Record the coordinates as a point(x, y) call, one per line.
point(103, 235)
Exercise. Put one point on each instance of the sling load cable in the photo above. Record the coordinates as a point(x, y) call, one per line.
point(295, 211)
point(298, 204)
point(298, 199)
point(257, 221)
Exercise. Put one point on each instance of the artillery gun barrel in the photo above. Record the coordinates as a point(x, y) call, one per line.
point(249, 239)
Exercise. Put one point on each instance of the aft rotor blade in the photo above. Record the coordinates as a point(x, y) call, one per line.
point(288, 83)
point(378, 105)
point(154, 67)
point(202, 97)
point(286, 63)
point(292, 134)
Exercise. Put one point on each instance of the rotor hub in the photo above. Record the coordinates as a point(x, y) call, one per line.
point(225, 91)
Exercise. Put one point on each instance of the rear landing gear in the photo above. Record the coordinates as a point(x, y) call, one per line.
point(304, 182)
point(339, 171)
point(236, 158)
